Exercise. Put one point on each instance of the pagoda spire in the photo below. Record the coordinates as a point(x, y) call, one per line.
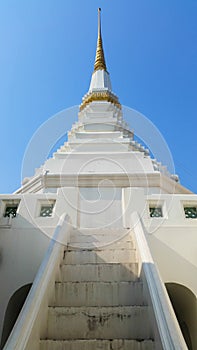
point(100, 86)
point(100, 58)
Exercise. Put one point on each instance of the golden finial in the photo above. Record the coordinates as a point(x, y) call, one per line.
point(100, 59)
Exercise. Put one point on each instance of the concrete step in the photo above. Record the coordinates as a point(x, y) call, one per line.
point(89, 243)
point(96, 237)
point(97, 344)
point(99, 235)
point(94, 245)
point(98, 293)
point(108, 272)
point(84, 256)
point(123, 322)
point(101, 231)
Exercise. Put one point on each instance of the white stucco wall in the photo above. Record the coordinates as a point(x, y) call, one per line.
point(22, 248)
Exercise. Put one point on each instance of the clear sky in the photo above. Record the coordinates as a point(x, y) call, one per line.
point(46, 61)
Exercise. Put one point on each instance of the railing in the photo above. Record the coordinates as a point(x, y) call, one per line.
point(30, 326)
point(166, 328)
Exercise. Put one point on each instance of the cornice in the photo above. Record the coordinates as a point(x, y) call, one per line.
point(149, 180)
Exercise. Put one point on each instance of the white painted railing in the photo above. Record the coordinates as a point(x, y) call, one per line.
point(166, 330)
point(30, 326)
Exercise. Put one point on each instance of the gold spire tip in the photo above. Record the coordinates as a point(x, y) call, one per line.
point(100, 58)
point(99, 21)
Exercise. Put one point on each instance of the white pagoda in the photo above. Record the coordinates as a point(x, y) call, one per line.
point(100, 243)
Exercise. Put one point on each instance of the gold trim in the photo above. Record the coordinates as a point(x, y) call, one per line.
point(100, 96)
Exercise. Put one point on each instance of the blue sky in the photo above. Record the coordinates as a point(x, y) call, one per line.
point(46, 61)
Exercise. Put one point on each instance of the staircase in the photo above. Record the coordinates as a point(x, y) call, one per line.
point(99, 304)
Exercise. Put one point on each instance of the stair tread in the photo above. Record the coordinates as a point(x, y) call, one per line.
point(98, 231)
point(100, 309)
point(99, 249)
point(101, 322)
point(104, 263)
point(103, 256)
point(91, 246)
point(95, 344)
point(99, 238)
point(139, 282)
point(99, 340)
point(98, 293)
point(100, 272)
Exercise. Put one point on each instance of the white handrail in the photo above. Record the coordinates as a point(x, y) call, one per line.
point(170, 336)
point(30, 321)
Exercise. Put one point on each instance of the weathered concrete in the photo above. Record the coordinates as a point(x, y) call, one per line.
point(96, 344)
point(123, 322)
point(98, 293)
point(91, 257)
point(100, 272)
point(99, 297)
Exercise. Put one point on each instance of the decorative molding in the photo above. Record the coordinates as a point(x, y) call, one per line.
point(100, 96)
point(92, 179)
